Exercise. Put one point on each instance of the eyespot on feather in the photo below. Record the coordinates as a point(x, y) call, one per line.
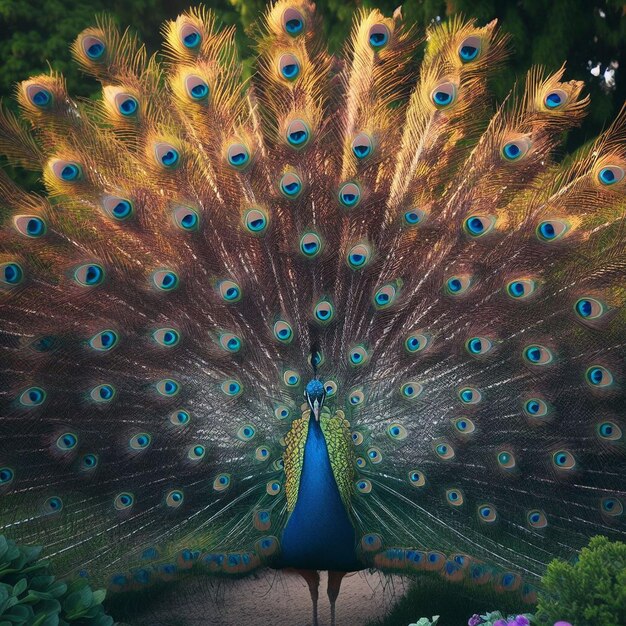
point(470, 48)
point(289, 67)
point(196, 88)
point(444, 95)
point(362, 146)
point(31, 226)
point(118, 208)
point(292, 22)
point(378, 36)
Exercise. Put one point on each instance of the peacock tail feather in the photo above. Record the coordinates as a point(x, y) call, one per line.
point(448, 297)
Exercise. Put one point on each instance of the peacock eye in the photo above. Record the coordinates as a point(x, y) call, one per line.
point(127, 105)
point(397, 432)
point(551, 230)
point(89, 275)
point(166, 155)
point(563, 460)
point(89, 462)
point(359, 256)
point(180, 417)
point(33, 396)
point(536, 407)
point(190, 36)
point(411, 390)
point(412, 217)
point(378, 36)
point(478, 346)
point(458, 285)
point(537, 355)
point(479, 225)
point(293, 22)
point(536, 519)
point(124, 501)
point(363, 485)
point(324, 311)
point(102, 393)
point(283, 331)
point(168, 387)
point(416, 342)
point(104, 340)
point(358, 356)
point(521, 288)
point(196, 88)
point(555, 99)
point(93, 47)
point(417, 478)
point(444, 95)
point(598, 376)
point(66, 171)
point(229, 290)
point(454, 496)
point(196, 452)
point(469, 395)
point(11, 273)
point(39, 96)
point(230, 342)
point(140, 441)
point(289, 67)
point(186, 218)
point(487, 513)
point(310, 245)
point(231, 387)
point(238, 155)
point(443, 450)
point(357, 438)
point(589, 308)
point(386, 295)
point(29, 226)
point(261, 453)
point(298, 134)
point(356, 397)
point(609, 431)
point(330, 387)
point(273, 488)
point(255, 221)
point(290, 185)
point(469, 49)
point(52, 505)
point(516, 149)
point(349, 195)
point(291, 378)
point(374, 455)
point(464, 425)
point(506, 460)
point(174, 498)
point(611, 506)
point(362, 146)
point(246, 432)
point(610, 175)
point(67, 441)
point(165, 280)
point(118, 208)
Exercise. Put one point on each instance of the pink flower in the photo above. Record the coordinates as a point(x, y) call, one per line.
point(562, 624)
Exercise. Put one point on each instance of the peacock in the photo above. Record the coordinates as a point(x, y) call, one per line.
point(344, 314)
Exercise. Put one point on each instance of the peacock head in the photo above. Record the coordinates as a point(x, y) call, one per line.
point(315, 395)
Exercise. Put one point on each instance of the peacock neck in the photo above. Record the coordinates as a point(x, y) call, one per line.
point(319, 533)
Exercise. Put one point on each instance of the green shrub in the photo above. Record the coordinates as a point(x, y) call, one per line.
point(590, 592)
point(30, 594)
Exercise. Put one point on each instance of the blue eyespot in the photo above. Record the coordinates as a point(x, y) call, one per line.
point(536, 407)
point(53, 505)
point(89, 461)
point(168, 387)
point(283, 331)
point(89, 275)
point(33, 396)
point(170, 158)
point(511, 151)
point(516, 149)
point(378, 36)
point(102, 393)
point(70, 172)
point(478, 225)
point(11, 273)
point(180, 417)
point(457, 285)
point(537, 355)
point(522, 288)
point(290, 185)
point(199, 91)
point(41, 98)
point(563, 459)
point(128, 106)
point(122, 209)
point(255, 221)
point(550, 230)
point(469, 395)
point(165, 280)
point(104, 340)
point(297, 133)
point(444, 95)
point(468, 53)
point(67, 441)
point(294, 26)
point(6, 475)
point(123, 501)
point(599, 376)
point(610, 175)
point(238, 155)
point(310, 244)
point(413, 216)
point(231, 387)
point(191, 39)
point(289, 66)
point(35, 227)
point(349, 195)
point(358, 355)
point(362, 146)
point(95, 50)
point(553, 100)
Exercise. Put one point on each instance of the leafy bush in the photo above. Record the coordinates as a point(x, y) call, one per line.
point(590, 592)
point(424, 621)
point(30, 594)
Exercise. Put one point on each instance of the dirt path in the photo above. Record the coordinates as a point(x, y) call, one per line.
point(277, 599)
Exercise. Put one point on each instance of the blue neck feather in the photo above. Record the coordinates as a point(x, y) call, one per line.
point(319, 534)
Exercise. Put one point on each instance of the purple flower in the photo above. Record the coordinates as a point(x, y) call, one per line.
point(475, 620)
point(522, 620)
point(562, 624)
point(500, 622)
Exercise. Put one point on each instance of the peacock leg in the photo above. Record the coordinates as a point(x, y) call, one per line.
point(312, 579)
point(334, 584)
